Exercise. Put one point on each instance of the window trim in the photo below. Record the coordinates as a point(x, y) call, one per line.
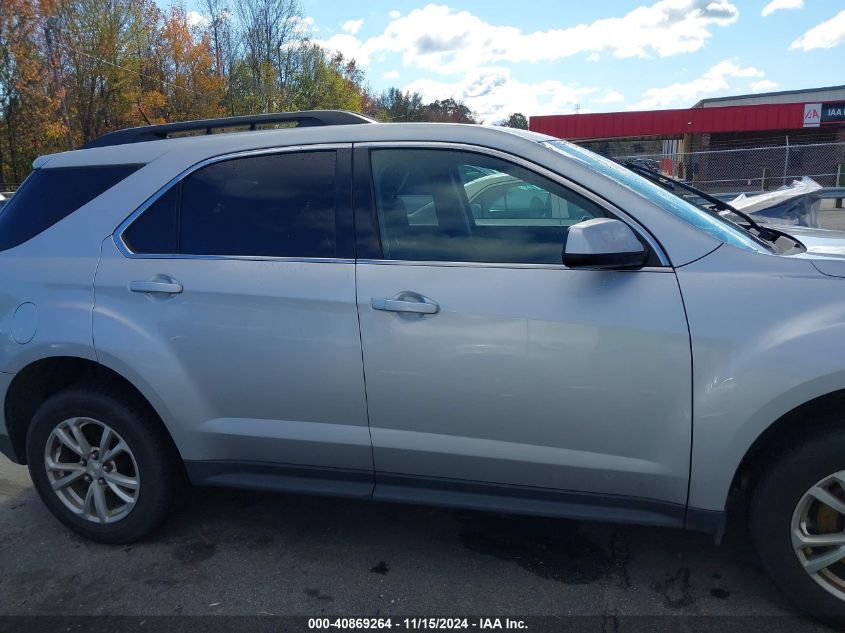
point(177, 180)
point(526, 164)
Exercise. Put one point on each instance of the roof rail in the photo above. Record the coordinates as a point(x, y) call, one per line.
point(306, 118)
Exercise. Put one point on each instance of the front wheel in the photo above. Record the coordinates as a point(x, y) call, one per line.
point(102, 464)
point(798, 525)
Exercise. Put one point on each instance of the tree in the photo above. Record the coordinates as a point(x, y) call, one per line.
point(516, 120)
point(394, 105)
point(123, 63)
point(192, 89)
point(448, 111)
point(29, 106)
point(271, 37)
point(324, 82)
point(220, 30)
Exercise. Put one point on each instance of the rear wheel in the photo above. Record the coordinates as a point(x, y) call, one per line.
point(102, 464)
point(798, 525)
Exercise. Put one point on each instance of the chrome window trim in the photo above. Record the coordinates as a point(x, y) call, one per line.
point(408, 262)
point(538, 169)
point(121, 229)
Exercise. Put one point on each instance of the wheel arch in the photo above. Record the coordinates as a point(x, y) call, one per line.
point(41, 379)
point(784, 433)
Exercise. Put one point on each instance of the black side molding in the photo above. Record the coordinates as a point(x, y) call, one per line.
point(332, 482)
point(453, 493)
point(565, 504)
point(710, 521)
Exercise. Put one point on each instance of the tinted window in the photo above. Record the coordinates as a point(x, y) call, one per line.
point(445, 205)
point(155, 231)
point(49, 195)
point(281, 205)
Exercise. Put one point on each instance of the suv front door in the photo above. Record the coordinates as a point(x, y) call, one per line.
point(490, 367)
point(231, 299)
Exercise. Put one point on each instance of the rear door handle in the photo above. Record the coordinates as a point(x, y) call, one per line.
point(418, 305)
point(156, 287)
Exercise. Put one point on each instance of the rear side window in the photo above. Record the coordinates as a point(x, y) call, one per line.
point(280, 205)
point(50, 195)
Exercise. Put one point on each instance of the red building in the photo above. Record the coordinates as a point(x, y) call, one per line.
point(777, 119)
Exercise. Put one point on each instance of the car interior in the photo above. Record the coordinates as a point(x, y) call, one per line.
point(429, 212)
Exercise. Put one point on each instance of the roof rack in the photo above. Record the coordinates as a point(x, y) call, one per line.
point(306, 118)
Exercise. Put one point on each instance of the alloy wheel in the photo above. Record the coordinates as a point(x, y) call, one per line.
point(92, 470)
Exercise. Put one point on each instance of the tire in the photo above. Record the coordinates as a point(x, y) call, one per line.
point(775, 507)
point(150, 461)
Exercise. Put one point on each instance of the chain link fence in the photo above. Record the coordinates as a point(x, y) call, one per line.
point(751, 169)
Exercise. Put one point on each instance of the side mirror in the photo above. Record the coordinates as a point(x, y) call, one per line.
point(603, 243)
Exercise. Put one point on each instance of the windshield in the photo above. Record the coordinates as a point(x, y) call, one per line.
point(721, 229)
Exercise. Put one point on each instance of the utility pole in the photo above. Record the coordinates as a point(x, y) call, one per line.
point(49, 31)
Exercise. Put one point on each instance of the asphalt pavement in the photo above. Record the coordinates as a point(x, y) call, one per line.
point(236, 553)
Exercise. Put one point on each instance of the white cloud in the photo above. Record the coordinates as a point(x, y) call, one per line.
point(593, 57)
point(304, 25)
point(763, 84)
point(777, 5)
point(611, 96)
point(493, 94)
point(352, 26)
point(390, 74)
point(712, 81)
point(393, 14)
point(197, 19)
point(445, 40)
point(825, 35)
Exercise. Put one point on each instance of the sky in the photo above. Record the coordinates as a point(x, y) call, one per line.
point(565, 56)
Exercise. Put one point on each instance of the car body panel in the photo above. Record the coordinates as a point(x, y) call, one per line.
point(531, 376)
point(824, 248)
point(768, 335)
point(56, 282)
point(240, 358)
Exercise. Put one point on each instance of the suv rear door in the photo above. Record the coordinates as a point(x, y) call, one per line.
point(229, 298)
point(492, 368)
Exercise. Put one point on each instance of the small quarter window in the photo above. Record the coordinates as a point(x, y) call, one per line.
point(156, 230)
point(50, 195)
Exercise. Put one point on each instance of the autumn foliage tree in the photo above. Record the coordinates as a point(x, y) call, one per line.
point(186, 71)
point(71, 70)
point(28, 107)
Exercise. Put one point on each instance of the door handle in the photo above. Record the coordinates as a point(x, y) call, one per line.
point(403, 303)
point(156, 287)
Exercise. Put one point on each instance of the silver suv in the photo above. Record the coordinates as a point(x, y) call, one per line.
point(428, 313)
